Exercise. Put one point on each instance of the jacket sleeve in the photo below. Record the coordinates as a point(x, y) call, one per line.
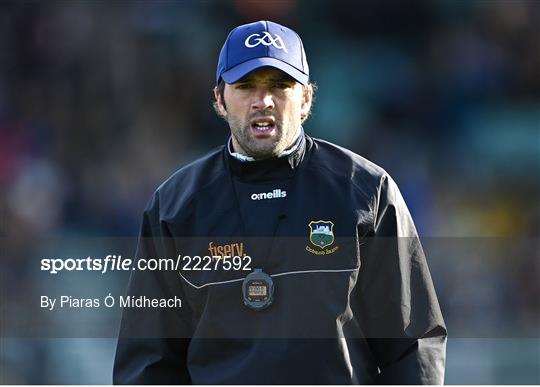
point(402, 320)
point(153, 342)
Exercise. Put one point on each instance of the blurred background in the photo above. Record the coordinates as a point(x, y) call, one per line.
point(100, 101)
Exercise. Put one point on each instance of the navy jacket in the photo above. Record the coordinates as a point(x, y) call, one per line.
point(354, 301)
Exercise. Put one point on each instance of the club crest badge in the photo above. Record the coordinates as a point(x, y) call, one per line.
point(321, 235)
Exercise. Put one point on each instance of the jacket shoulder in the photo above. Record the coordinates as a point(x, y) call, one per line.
point(372, 184)
point(183, 184)
point(342, 162)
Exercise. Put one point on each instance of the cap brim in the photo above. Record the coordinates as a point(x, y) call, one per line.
point(236, 73)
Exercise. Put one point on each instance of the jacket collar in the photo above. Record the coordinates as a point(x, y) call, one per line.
point(275, 168)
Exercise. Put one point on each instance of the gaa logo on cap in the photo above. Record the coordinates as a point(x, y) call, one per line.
point(265, 40)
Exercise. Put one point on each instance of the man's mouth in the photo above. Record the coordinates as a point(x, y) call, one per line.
point(263, 127)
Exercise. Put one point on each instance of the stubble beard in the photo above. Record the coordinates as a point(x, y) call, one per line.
point(258, 148)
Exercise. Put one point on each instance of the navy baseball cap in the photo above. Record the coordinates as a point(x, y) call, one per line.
point(262, 44)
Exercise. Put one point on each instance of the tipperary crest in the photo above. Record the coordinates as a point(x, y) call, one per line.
point(321, 233)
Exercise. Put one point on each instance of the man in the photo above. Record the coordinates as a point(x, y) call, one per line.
point(330, 284)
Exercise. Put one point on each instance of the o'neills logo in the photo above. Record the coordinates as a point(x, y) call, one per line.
point(230, 250)
point(275, 194)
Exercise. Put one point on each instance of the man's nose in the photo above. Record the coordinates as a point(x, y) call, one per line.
point(262, 99)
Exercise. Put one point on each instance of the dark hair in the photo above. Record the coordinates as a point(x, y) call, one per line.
point(221, 88)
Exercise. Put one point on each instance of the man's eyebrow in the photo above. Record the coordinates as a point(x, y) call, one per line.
point(281, 79)
point(276, 79)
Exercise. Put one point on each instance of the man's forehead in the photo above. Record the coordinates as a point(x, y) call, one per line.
point(266, 74)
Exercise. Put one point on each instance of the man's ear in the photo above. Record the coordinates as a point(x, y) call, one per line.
point(220, 101)
point(307, 99)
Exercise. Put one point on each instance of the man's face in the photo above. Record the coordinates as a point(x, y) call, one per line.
point(264, 111)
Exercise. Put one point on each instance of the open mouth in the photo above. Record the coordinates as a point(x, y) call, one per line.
point(263, 127)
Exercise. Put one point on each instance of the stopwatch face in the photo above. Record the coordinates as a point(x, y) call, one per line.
point(258, 290)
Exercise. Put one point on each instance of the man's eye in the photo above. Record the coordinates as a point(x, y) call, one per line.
point(244, 86)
